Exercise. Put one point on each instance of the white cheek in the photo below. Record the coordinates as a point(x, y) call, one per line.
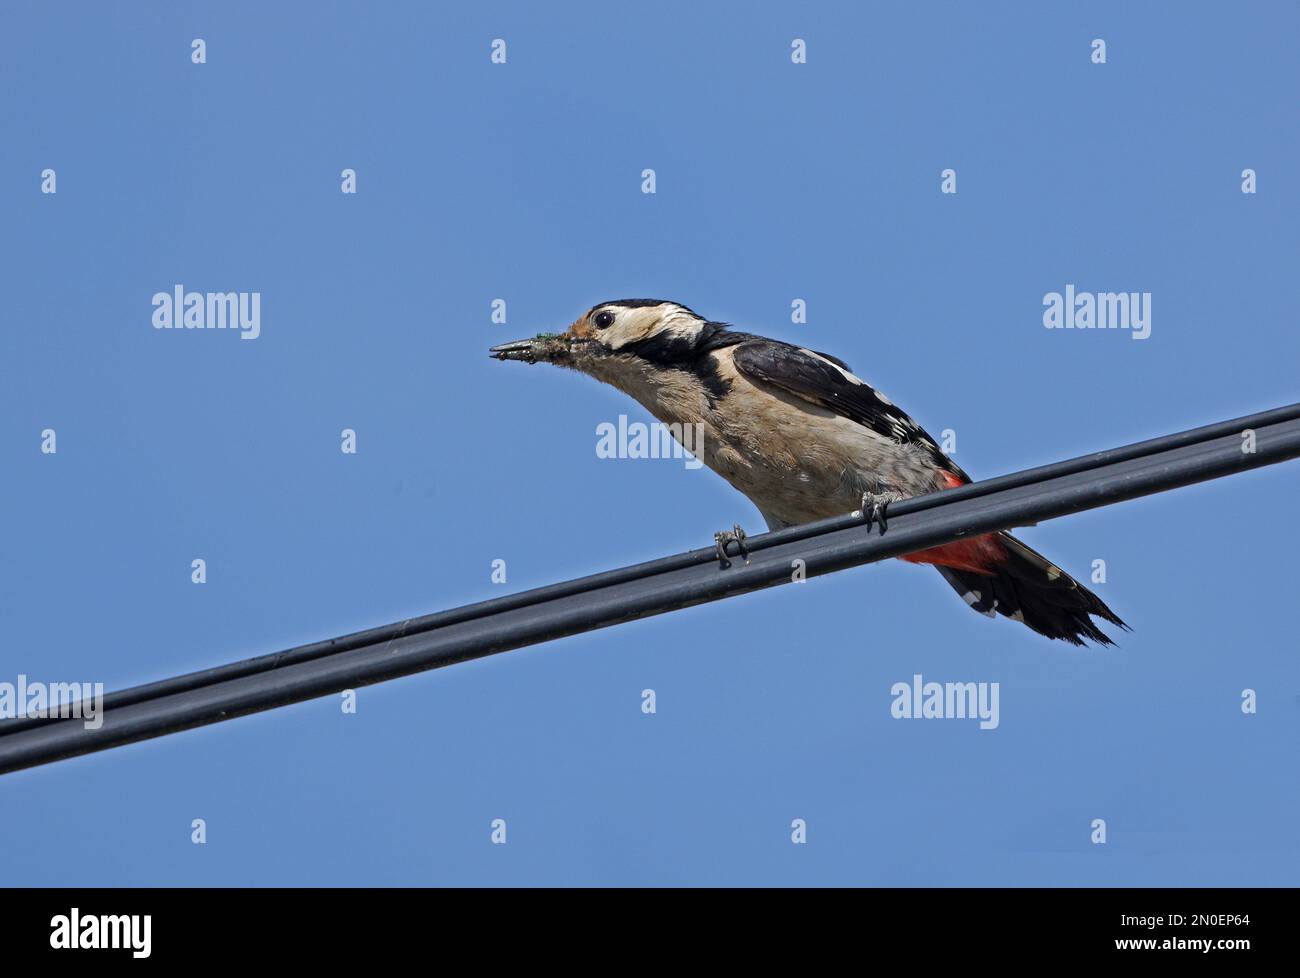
point(615, 337)
point(626, 329)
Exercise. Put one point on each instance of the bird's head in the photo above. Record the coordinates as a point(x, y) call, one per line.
point(624, 330)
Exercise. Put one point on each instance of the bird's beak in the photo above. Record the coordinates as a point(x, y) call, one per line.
point(542, 348)
point(517, 350)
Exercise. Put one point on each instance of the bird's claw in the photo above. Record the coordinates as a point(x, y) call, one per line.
point(873, 512)
point(723, 537)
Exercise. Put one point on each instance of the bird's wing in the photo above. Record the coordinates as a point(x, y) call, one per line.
point(828, 383)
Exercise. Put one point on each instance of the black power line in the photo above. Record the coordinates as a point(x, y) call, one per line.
point(667, 584)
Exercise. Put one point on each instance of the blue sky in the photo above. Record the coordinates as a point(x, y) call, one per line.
point(522, 181)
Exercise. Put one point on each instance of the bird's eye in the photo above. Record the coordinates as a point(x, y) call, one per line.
point(604, 320)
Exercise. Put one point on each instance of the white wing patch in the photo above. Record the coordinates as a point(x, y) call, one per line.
point(844, 373)
point(851, 378)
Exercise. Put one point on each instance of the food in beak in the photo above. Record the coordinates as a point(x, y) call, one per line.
point(543, 346)
point(518, 350)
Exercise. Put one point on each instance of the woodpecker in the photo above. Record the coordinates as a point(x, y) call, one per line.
point(804, 438)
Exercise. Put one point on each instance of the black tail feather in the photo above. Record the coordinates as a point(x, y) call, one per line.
point(1029, 588)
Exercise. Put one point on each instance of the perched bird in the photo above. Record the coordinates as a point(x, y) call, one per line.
point(804, 439)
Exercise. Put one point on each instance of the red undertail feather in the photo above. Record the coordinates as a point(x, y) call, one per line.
point(996, 574)
point(978, 555)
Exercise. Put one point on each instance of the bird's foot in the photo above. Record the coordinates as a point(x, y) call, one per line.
point(723, 537)
point(873, 510)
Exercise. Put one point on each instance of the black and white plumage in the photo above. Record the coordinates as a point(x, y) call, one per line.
point(804, 438)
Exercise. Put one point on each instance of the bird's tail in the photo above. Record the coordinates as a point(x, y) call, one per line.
point(996, 574)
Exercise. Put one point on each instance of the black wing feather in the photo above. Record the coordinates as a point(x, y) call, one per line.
point(809, 376)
